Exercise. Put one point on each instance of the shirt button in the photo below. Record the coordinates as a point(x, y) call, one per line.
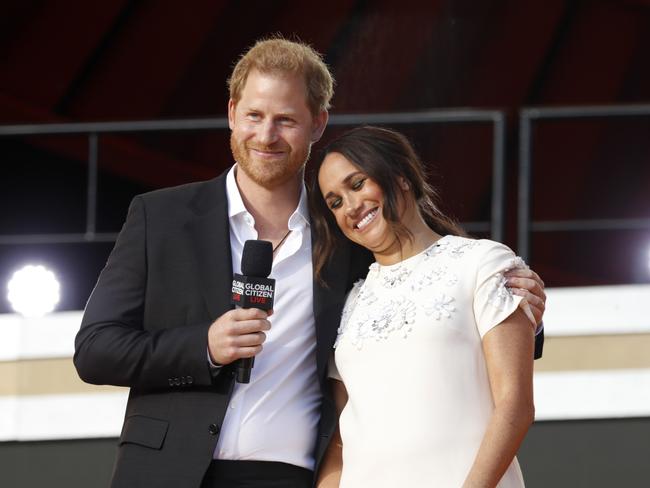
point(213, 429)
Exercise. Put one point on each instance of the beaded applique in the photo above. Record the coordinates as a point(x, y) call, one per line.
point(440, 306)
point(393, 316)
point(500, 295)
point(378, 316)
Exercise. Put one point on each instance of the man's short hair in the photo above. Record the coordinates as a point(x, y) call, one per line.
point(281, 56)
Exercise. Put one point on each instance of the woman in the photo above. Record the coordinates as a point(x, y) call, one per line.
point(434, 353)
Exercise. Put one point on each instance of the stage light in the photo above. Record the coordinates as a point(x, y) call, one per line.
point(33, 291)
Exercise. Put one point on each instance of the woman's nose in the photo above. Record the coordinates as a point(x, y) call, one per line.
point(353, 205)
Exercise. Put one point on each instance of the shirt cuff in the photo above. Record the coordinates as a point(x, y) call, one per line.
point(215, 368)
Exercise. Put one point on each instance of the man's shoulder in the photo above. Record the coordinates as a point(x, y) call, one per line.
point(178, 191)
point(185, 192)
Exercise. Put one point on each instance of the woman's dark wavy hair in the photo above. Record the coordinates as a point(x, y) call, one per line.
point(383, 155)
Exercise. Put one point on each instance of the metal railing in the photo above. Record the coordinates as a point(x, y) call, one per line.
point(93, 130)
point(525, 226)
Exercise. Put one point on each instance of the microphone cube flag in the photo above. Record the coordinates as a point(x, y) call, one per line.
point(252, 292)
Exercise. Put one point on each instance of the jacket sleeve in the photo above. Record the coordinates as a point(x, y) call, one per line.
point(113, 346)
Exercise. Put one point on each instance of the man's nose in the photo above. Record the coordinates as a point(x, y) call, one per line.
point(267, 134)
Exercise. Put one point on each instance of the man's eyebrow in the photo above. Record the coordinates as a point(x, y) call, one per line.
point(345, 180)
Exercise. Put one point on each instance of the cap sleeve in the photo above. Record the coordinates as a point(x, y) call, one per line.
point(493, 301)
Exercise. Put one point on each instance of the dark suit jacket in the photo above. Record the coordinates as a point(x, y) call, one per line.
point(146, 323)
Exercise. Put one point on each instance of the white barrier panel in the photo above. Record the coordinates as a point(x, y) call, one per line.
point(597, 310)
point(570, 395)
point(559, 395)
point(46, 337)
point(69, 416)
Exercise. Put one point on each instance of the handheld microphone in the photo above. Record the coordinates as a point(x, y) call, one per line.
point(253, 289)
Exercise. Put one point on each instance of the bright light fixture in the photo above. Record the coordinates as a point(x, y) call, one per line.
point(33, 291)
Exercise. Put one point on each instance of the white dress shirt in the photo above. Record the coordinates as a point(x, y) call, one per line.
point(275, 416)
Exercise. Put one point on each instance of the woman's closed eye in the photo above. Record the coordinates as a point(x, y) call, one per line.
point(358, 184)
point(334, 203)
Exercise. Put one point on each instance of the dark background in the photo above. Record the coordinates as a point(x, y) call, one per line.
point(134, 60)
point(74, 61)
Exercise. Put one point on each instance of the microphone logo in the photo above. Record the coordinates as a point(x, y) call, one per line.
point(252, 292)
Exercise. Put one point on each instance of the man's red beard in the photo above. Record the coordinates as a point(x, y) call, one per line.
point(269, 174)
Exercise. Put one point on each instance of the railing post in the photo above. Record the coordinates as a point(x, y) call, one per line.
point(525, 187)
point(91, 187)
point(497, 215)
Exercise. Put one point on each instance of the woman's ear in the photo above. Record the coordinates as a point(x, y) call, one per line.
point(404, 184)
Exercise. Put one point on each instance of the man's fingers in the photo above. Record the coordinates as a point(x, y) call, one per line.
point(528, 284)
point(247, 314)
point(248, 340)
point(537, 305)
point(238, 333)
point(525, 273)
point(248, 326)
point(249, 352)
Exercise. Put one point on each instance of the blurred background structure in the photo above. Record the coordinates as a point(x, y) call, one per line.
point(552, 157)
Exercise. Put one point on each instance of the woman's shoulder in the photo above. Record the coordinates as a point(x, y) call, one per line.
point(461, 245)
point(480, 254)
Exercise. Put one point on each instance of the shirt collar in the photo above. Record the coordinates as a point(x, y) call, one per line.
point(236, 203)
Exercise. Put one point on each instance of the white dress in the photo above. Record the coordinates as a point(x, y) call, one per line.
point(409, 353)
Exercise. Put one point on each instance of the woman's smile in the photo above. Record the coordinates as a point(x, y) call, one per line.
point(369, 217)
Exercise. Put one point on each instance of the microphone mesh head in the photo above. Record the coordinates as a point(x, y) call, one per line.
point(257, 258)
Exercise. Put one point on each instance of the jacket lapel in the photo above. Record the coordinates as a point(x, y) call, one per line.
point(210, 234)
point(328, 304)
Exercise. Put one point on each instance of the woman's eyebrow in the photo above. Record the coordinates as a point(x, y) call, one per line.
point(345, 180)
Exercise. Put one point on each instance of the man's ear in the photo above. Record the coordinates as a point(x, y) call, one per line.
point(320, 122)
point(232, 105)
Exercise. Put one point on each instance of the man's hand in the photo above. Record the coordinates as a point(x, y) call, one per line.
point(528, 284)
point(238, 333)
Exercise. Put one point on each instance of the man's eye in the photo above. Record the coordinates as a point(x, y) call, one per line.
point(253, 116)
point(357, 185)
point(336, 203)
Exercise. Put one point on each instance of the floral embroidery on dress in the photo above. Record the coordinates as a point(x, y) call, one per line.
point(439, 273)
point(500, 295)
point(452, 279)
point(397, 315)
point(384, 305)
point(458, 250)
point(441, 245)
point(353, 299)
point(395, 276)
point(441, 306)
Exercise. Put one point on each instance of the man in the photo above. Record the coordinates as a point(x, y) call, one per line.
point(160, 320)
